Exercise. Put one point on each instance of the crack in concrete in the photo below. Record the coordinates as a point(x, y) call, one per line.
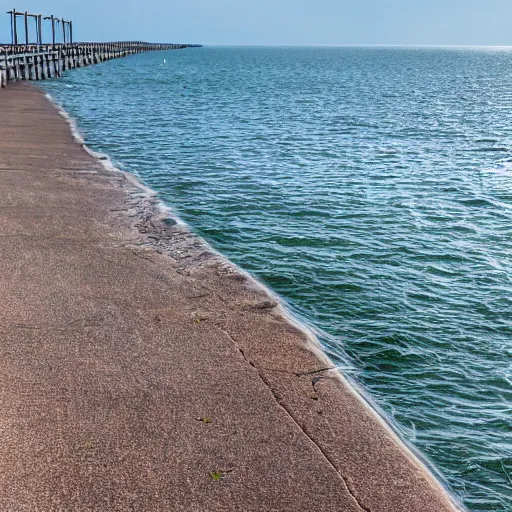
point(142, 256)
point(313, 372)
point(297, 374)
point(343, 478)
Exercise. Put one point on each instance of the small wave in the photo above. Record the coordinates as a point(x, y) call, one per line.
point(490, 149)
point(77, 135)
point(390, 151)
point(503, 168)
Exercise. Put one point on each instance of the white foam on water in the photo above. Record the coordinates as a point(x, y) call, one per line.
point(108, 165)
point(501, 168)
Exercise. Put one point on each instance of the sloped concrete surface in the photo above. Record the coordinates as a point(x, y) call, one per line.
point(141, 372)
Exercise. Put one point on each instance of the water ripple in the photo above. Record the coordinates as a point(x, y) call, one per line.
point(372, 188)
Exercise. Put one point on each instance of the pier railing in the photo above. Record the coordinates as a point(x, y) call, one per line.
point(39, 62)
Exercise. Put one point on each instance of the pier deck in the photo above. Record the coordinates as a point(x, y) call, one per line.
point(39, 62)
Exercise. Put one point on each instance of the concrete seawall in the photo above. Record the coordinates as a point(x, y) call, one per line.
point(139, 370)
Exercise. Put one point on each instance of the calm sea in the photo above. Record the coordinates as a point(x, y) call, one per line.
point(372, 189)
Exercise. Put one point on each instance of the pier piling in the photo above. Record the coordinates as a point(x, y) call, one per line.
point(37, 62)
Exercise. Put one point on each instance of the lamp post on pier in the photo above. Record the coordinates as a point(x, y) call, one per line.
point(67, 31)
point(26, 27)
point(39, 22)
point(52, 18)
point(14, 26)
point(67, 27)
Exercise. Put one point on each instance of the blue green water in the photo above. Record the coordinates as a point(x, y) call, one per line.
point(372, 189)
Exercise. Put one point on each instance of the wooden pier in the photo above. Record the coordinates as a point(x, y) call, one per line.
point(40, 62)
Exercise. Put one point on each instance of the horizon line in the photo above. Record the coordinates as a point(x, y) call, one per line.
point(361, 45)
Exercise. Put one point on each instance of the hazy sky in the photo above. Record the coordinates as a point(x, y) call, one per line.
point(298, 22)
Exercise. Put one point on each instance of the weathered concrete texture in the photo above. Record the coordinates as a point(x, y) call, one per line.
point(136, 367)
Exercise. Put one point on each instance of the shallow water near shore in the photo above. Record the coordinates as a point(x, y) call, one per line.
point(372, 189)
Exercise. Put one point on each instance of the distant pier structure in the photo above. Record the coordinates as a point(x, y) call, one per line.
point(29, 57)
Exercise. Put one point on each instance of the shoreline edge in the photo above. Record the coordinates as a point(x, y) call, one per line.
point(291, 375)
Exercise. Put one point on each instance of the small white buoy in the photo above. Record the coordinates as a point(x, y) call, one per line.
point(165, 62)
